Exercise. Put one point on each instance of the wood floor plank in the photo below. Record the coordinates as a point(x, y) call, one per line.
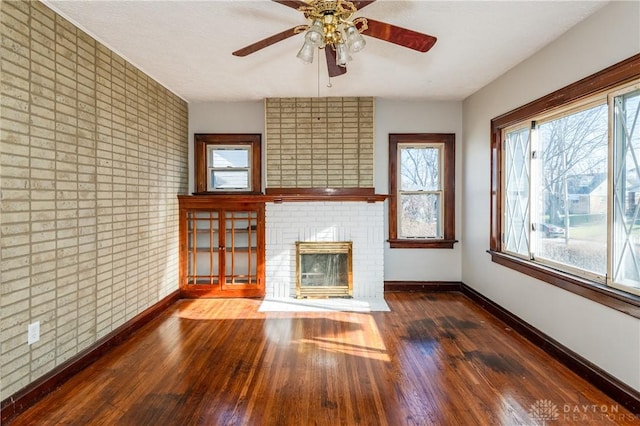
point(435, 359)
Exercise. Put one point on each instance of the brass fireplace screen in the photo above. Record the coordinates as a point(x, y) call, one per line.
point(324, 269)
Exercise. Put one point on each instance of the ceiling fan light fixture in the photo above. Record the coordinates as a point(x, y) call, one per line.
point(315, 34)
point(331, 28)
point(306, 52)
point(342, 54)
point(355, 41)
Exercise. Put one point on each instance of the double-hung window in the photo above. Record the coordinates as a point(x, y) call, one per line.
point(227, 163)
point(421, 190)
point(229, 168)
point(566, 188)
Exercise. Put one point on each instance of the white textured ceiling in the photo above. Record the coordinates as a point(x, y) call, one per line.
point(187, 45)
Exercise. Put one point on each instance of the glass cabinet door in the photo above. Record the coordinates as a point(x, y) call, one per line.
point(222, 248)
point(203, 265)
point(240, 256)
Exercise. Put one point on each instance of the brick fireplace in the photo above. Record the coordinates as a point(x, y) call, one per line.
point(359, 222)
point(322, 146)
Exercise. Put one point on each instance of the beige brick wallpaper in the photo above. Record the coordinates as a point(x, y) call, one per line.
point(92, 156)
point(319, 142)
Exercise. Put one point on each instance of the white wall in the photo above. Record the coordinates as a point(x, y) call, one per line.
point(606, 337)
point(418, 117)
point(223, 117)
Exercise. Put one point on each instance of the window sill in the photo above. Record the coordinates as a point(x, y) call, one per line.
point(613, 298)
point(422, 244)
point(227, 193)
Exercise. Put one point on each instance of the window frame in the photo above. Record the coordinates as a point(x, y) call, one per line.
point(615, 228)
point(608, 79)
point(211, 168)
point(204, 142)
point(447, 175)
point(532, 125)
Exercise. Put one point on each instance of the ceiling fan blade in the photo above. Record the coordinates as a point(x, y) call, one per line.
point(398, 35)
point(265, 43)
point(362, 3)
point(296, 4)
point(333, 68)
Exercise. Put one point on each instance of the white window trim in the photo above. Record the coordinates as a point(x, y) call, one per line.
point(210, 168)
point(610, 210)
point(440, 192)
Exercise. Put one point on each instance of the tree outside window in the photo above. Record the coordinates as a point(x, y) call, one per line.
point(421, 208)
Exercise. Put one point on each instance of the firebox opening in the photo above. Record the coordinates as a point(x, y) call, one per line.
point(324, 269)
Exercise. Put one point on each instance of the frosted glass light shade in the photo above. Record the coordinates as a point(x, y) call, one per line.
point(306, 52)
point(354, 39)
point(342, 55)
point(314, 34)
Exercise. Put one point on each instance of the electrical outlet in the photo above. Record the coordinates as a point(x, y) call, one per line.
point(33, 333)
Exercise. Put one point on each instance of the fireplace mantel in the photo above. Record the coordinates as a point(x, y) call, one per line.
point(285, 195)
point(282, 198)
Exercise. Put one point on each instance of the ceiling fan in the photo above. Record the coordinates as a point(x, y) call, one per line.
point(332, 29)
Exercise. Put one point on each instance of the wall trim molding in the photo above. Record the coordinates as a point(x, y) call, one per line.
point(611, 386)
point(426, 286)
point(26, 397)
point(599, 293)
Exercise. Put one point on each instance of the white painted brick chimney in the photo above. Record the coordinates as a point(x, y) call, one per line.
point(325, 221)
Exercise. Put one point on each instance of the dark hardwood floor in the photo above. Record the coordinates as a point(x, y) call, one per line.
point(436, 359)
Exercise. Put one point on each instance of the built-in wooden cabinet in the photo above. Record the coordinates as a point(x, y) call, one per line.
point(221, 247)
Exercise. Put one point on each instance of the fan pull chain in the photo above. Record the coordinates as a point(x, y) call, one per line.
point(328, 76)
point(329, 85)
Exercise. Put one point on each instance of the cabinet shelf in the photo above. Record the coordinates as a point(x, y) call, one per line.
point(216, 231)
point(216, 249)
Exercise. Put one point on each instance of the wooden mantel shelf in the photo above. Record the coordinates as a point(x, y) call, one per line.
point(285, 195)
point(280, 195)
point(303, 197)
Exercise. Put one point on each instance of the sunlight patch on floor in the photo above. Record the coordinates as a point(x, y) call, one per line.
point(289, 304)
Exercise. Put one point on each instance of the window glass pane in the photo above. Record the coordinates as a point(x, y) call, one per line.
point(626, 205)
point(229, 157)
point(570, 223)
point(420, 216)
point(230, 179)
point(420, 169)
point(516, 209)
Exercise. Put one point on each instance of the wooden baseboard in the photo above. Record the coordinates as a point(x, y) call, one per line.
point(614, 388)
point(429, 286)
point(25, 398)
